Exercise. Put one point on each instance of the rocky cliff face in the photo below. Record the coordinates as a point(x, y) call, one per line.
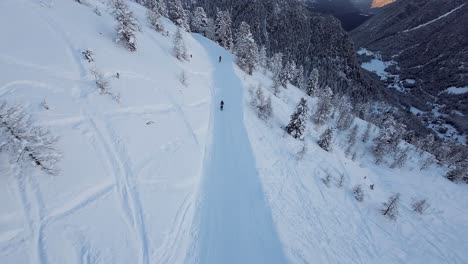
point(428, 40)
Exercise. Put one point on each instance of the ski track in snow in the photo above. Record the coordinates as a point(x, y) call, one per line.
point(128, 197)
point(233, 222)
point(434, 20)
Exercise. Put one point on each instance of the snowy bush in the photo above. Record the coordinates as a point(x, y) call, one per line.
point(327, 179)
point(88, 55)
point(302, 151)
point(340, 181)
point(390, 207)
point(183, 79)
point(358, 193)
point(262, 106)
point(420, 206)
point(23, 140)
point(103, 85)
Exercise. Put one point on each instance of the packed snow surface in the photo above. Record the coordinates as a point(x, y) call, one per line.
point(163, 176)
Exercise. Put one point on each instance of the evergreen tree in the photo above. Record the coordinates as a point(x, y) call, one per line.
point(351, 140)
point(154, 20)
point(346, 117)
point(325, 141)
point(126, 24)
point(262, 57)
point(313, 83)
point(177, 14)
point(223, 30)
point(297, 124)
point(179, 50)
point(157, 6)
point(324, 107)
point(283, 77)
point(199, 22)
point(245, 49)
point(276, 63)
point(300, 81)
point(388, 138)
point(366, 135)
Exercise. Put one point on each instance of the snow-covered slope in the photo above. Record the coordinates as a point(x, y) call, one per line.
point(163, 176)
point(129, 170)
point(317, 223)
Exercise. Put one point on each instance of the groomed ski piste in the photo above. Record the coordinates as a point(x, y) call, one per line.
point(163, 176)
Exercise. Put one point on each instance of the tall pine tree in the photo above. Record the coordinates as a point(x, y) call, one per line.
point(199, 22)
point(297, 124)
point(223, 29)
point(245, 49)
point(126, 24)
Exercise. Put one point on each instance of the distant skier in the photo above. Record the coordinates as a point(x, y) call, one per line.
point(221, 106)
point(220, 58)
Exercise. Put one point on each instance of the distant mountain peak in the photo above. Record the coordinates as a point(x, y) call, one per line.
point(381, 3)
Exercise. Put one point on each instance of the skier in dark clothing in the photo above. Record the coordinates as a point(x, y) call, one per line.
point(222, 105)
point(220, 58)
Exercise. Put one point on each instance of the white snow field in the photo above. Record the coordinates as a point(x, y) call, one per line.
point(163, 176)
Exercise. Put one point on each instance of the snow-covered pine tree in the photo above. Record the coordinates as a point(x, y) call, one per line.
point(199, 22)
point(262, 57)
point(23, 140)
point(223, 29)
point(262, 105)
point(366, 134)
point(300, 81)
point(351, 139)
point(276, 63)
point(177, 14)
point(126, 24)
point(245, 49)
point(459, 173)
point(388, 138)
point(158, 6)
point(390, 207)
point(325, 141)
point(324, 107)
point(283, 77)
point(297, 124)
point(276, 85)
point(290, 71)
point(154, 20)
point(313, 83)
point(179, 50)
point(346, 118)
